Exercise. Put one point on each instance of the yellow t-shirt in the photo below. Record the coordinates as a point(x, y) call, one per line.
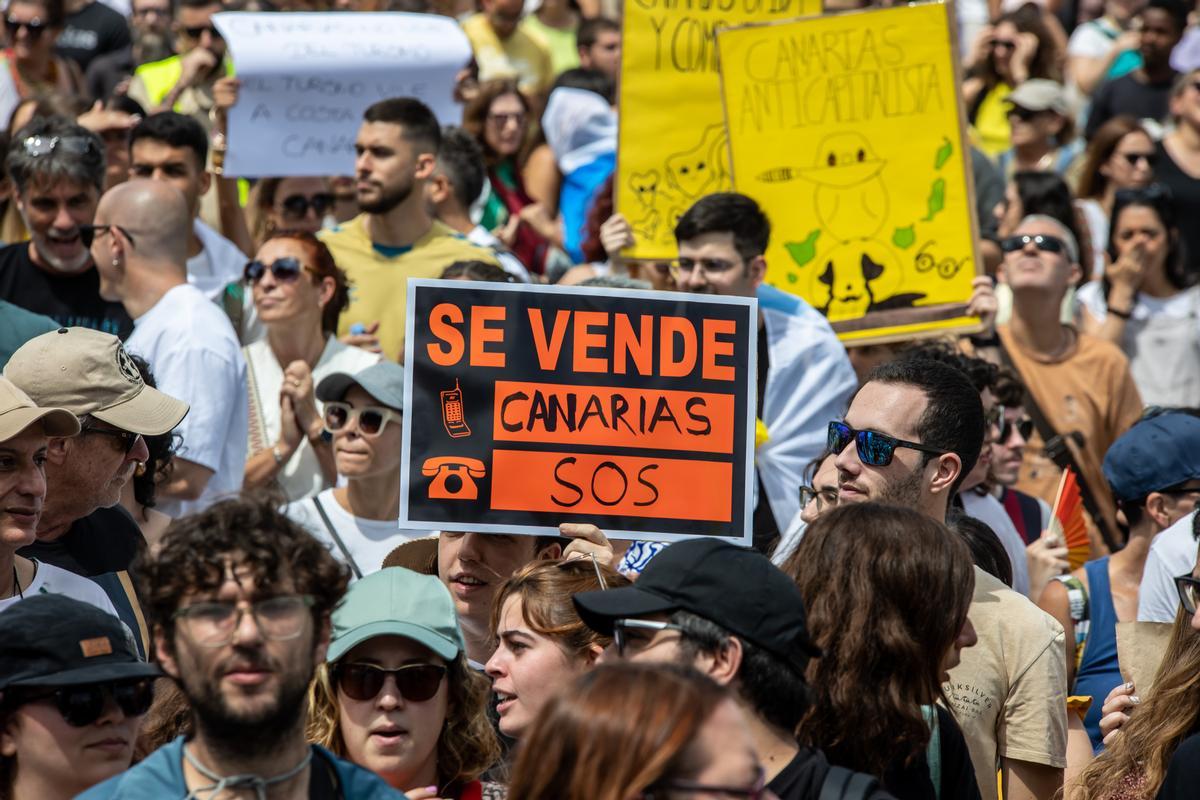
point(992, 131)
point(520, 56)
point(1009, 692)
point(379, 275)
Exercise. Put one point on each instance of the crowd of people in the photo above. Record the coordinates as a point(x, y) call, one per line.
point(205, 589)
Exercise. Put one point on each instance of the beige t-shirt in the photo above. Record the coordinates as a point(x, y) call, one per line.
point(1009, 693)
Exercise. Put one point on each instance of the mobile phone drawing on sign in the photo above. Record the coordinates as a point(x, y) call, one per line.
point(452, 413)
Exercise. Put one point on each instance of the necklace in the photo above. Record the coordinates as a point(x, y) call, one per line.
point(234, 782)
point(16, 590)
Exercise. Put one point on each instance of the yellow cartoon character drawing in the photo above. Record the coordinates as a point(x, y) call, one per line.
point(851, 199)
point(703, 169)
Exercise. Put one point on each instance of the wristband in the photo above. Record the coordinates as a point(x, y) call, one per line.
point(1123, 313)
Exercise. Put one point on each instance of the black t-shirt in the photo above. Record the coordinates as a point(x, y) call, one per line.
point(766, 529)
point(1185, 193)
point(69, 300)
point(104, 541)
point(804, 776)
point(93, 30)
point(1183, 773)
point(1128, 95)
point(107, 71)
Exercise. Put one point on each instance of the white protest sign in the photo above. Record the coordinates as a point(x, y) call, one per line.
point(307, 78)
point(10, 98)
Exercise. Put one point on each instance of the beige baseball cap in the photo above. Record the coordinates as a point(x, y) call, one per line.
point(18, 412)
point(89, 372)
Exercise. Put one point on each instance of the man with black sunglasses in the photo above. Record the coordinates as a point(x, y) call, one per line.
point(1030, 515)
point(911, 435)
point(73, 692)
point(240, 599)
point(141, 246)
point(83, 528)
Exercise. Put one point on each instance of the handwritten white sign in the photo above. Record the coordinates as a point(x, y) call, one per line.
point(307, 78)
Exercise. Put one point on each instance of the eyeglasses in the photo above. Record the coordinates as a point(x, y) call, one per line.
point(284, 270)
point(88, 233)
point(756, 791)
point(1043, 242)
point(415, 682)
point(621, 628)
point(38, 146)
point(711, 267)
point(33, 28)
point(296, 206)
point(128, 439)
point(1003, 44)
point(502, 120)
point(1022, 425)
point(1133, 158)
point(824, 498)
point(874, 448)
point(82, 705)
point(371, 420)
point(1189, 592)
point(214, 624)
point(197, 32)
point(992, 417)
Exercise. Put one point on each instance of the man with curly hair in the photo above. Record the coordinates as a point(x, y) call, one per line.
point(239, 598)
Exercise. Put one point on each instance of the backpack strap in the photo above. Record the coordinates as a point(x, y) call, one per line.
point(845, 784)
point(337, 539)
point(933, 751)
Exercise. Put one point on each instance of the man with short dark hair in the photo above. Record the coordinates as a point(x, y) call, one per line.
point(599, 42)
point(911, 435)
point(396, 236)
point(57, 169)
point(184, 82)
point(240, 599)
point(83, 528)
point(733, 615)
point(174, 148)
point(804, 377)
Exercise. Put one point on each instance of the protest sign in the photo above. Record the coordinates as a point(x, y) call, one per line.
point(529, 406)
point(849, 131)
point(306, 79)
point(672, 148)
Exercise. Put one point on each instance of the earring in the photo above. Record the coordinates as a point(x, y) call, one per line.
point(116, 263)
point(140, 470)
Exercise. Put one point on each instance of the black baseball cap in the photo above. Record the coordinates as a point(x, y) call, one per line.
point(734, 587)
point(54, 640)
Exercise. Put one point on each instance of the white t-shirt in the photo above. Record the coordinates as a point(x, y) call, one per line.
point(301, 476)
point(52, 580)
point(219, 263)
point(986, 508)
point(195, 357)
point(368, 540)
point(1172, 553)
point(1097, 222)
point(1093, 39)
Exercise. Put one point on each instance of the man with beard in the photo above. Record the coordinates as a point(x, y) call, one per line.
point(240, 599)
point(57, 168)
point(396, 237)
point(912, 434)
point(804, 375)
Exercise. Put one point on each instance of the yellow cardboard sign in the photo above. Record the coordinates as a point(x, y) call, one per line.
point(848, 130)
point(672, 145)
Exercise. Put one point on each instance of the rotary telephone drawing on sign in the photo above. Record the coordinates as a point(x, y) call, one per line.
point(453, 477)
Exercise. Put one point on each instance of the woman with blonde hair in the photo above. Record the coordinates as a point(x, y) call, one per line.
point(396, 694)
point(639, 731)
point(541, 643)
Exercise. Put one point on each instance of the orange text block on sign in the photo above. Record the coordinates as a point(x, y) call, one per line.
point(613, 417)
point(632, 486)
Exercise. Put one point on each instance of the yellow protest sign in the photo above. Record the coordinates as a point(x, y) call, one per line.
point(848, 130)
point(672, 148)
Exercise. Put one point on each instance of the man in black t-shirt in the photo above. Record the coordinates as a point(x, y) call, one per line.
point(57, 168)
point(92, 29)
point(82, 527)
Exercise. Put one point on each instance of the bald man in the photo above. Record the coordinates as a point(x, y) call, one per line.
point(139, 243)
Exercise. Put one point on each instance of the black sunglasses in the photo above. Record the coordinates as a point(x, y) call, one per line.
point(874, 448)
point(297, 205)
point(128, 438)
point(1024, 114)
point(1023, 425)
point(33, 27)
point(285, 270)
point(415, 682)
point(1134, 158)
point(1043, 242)
point(1189, 592)
point(82, 705)
point(1004, 44)
point(197, 32)
point(88, 233)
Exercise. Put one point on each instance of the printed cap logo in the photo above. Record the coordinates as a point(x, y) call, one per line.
point(126, 366)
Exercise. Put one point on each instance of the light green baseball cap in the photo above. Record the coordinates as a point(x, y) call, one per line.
point(397, 602)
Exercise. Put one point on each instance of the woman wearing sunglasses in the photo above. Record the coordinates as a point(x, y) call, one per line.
point(1148, 302)
point(541, 643)
point(298, 293)
point(72, 696)
point(878, 701)
point(298, 204)
point(1152, 747)
point(629, 731)
point(396, 694)
point(31, 28)
point(358, 521)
